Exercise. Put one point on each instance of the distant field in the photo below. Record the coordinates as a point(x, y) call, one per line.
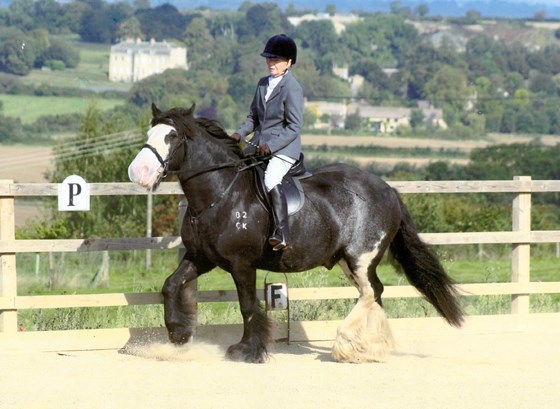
point(393, 142)
point(91, 73)
point(29, 108)
point(25, 164)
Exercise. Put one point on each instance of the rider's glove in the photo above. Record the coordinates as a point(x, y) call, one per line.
point(263, 150)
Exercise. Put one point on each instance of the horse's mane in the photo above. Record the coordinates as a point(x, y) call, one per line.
point(186, 124)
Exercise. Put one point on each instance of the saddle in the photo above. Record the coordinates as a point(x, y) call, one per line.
point(290, 183)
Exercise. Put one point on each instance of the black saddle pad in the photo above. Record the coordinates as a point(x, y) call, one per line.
point(291, 185)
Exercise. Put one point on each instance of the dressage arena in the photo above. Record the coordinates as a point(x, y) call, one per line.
point(508, 361)
point(493, 362)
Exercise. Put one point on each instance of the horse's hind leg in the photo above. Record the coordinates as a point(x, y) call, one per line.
point(364, 335)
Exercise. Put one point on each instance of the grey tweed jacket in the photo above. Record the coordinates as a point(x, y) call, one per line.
point(278, 121)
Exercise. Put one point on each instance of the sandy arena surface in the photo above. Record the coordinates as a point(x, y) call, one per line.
point(430, 369)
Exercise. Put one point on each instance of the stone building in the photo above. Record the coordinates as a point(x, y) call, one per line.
point(133, 60)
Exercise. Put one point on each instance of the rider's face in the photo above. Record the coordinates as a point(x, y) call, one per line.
point(277, 66)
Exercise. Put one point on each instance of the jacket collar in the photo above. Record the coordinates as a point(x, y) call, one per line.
point(277, 89)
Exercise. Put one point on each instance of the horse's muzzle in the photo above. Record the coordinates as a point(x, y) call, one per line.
point(145, 171)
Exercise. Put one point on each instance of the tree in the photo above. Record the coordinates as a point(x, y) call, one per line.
point(422, 10)
point(506, 161)
point(416, 119)
point(387, 39)
point(85, 155)
point(330, 9)
point(372, 73)
point(540, 15)
point(47, 14)
point(72, 15)
point(264, 20)
point(60, 50)
point(472, 17)
point(516, 59)
point(130, 28)
point(353, 121)
point(11, 130)
point(17, 52)
point(488, 104)
point(543, 83)
point(22, 14)
point(418, 65)
point(100, 23)
point(448, 88)
point(141, 4)
point(320, 38)
point(200, 43)
point(163, 22)
point(484, 56)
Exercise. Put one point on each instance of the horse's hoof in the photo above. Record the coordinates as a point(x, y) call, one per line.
point(178, 339)
point(246, 353)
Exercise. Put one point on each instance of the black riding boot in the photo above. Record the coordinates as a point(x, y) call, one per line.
point(279, 239)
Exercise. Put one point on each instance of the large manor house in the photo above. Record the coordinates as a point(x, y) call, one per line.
point(133, 60)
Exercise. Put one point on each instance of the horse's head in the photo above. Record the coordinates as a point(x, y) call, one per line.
point(176, 137)
point(159, 154)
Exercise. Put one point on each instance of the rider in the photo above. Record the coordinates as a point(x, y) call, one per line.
point(276, 117)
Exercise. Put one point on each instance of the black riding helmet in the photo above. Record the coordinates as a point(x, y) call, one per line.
point(280, 46)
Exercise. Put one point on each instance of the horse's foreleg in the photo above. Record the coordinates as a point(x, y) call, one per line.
point(364, 335)
point(179, 303)
point(256, 325)
point(376, 284)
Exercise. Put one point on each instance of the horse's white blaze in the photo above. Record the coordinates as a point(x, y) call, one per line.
point(146, 168)
point(364, 335)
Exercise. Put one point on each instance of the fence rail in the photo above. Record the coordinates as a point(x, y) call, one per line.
point(521, 237)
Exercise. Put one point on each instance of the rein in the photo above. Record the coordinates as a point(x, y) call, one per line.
point(200, 171)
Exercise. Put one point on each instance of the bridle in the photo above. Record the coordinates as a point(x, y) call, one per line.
point(164, 163)
point(241, 165)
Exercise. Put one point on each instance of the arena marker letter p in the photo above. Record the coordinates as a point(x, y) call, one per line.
point(73, 194)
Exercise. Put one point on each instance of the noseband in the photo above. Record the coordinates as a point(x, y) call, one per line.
point(164, 162)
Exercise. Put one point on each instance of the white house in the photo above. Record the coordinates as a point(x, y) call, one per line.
point(381, 119)
point(133, 60)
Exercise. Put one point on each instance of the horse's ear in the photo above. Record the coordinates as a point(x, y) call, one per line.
point(191, 109)
point(155, 110)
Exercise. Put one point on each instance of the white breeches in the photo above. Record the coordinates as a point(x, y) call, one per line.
point(277, 167)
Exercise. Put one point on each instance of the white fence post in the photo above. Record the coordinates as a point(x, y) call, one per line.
point(521, 252)
point(8, 278)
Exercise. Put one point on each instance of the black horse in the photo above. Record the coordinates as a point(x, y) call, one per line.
point(350, 217)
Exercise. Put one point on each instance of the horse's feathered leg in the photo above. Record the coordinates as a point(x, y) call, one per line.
point(364, 335)
point(179, 303)
point(256, 325)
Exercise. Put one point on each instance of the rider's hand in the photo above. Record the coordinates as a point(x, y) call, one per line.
point(263, 150)
point(235, 136)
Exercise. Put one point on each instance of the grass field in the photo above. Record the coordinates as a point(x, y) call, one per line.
point(30, 108)
point(90, 74)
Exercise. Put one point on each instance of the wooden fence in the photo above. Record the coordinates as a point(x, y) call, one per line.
point(520, 288)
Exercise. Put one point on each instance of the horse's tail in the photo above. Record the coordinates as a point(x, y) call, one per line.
point(424, 271)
